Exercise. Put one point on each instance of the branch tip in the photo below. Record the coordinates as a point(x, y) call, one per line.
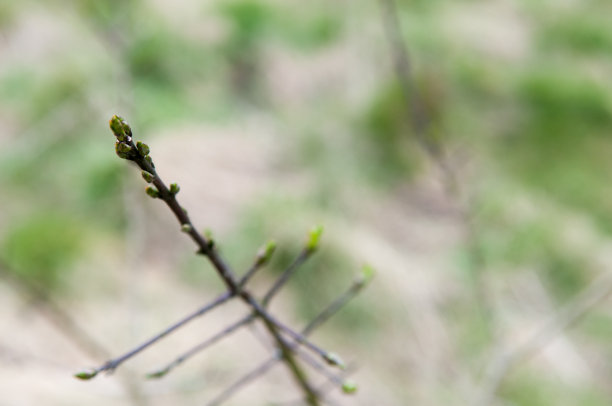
point(174, 188)
point(87, 374)
point(314, 236)
point(265, 253)
point(157, 374)
point(120, 128)
point(367, 273)
point(349, 387)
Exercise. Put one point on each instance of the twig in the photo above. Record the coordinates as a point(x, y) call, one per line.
point(261, 259)
point(244, 380)
point(572, 312)
point(139, 154)
point(404, 73)
point(321, 318)
point(200, 347)
point(114, 363)
point(287, 273)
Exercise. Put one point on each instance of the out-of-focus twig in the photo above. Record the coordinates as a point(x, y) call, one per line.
point(572, 312)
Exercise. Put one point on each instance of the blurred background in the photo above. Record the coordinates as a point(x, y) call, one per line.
point(277, 115)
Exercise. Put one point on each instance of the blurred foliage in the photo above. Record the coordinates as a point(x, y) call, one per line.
point(42, 248)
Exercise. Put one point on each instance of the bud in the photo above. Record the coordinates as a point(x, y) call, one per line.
point(123, 150)
point(116, 126)
point(174, 188)
point(148, 176)
point(143, 148)
point(86, 375)
point(159, 374)
point(367, 273)
point(186, 228)
point(265, 253)
point(349, 386)
point(120, 128)
point(151, 191)
point(313, 238)
point(334, 359)
point(149, 160)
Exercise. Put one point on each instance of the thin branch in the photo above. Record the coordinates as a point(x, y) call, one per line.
point(286, 274)
point(572, 312)
point(139, 154)
point(404, 72)
point(200, 347)
point(262, 258)
point(321, 318)
point(114, 363)
point(329, 357)
point(243, 381)
point(337, 304)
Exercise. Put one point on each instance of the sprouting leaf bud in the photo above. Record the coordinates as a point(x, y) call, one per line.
point(151, 191)
point(116, 126)
point(86, 375)
point(148, 176)
point(186, 228)
point(265, 253)
point(158, 374)
point(349, 387)
point(120, 128)
point(174, 188)
point(143, 148)
point(149, 160)
point(334, 359)
point(313, 238)
point(123, 150)
point(367, 273)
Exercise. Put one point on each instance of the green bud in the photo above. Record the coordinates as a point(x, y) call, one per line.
point(151, 191)
point(367, 273)
point(334, 359)
point(143, 148)
point(158, 374)
point(186, 228)
point(123, 150)
point(116, 126)
point(148, 176)
point(120, 128)
point(174, 188)
point(313, 238)
point(208, 234)
point(349, 387)
point(86, 375)
point(265, 253)
point(149, 161)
